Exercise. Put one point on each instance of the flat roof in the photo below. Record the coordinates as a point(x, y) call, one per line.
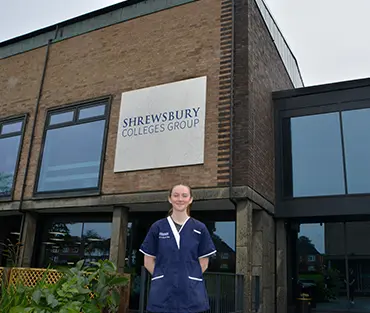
point(113, 14)
point(322, 88)
point(73, 20)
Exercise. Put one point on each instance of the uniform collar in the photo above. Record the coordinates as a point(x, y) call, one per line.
point(176, 233)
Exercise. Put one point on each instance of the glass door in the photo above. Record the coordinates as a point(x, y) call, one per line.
point(333, 266)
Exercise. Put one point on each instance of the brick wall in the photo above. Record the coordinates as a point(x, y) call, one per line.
point(171, 45)
point(20, 78)
point(256, 76)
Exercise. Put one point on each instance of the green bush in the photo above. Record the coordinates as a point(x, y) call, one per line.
point(81, 289)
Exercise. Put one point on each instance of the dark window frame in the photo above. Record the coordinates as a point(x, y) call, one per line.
point(107, 100)
point(338, 97)
point(15, 118)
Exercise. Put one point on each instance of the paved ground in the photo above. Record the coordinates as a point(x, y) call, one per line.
point(341, 305)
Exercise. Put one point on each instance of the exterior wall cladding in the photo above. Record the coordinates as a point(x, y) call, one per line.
point(258, 71)
point(158, 48)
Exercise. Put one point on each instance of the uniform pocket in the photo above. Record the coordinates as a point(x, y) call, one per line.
point(195, 278)
point(197, 293)
point(159, 293)
point(157, 277)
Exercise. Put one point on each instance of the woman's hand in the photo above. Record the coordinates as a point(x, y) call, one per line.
point(204, 264)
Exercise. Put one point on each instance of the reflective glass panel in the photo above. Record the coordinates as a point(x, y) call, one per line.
point(356, 134)
point(9, 148)
point(97, 241)
point(92, 111)
point(65, 243)
point(62, 244)
point(58, 118)
point(13, 127)
point(71, 157)
point(334, 266)
point(316, 152)
point(223, 236)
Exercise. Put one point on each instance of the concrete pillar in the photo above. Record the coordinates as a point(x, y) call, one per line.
point(263, 259)
point(28, 239)
point(118, 237)
point(244, 249)
point(281, 268)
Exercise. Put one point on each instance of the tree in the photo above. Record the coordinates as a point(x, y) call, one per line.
point(306, 247)
point(61, 228)
point(303, 240)
point(5, 183)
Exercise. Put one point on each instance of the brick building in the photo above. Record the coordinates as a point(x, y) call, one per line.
point(63, 179)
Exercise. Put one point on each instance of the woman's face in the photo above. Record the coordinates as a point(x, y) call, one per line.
point(180, 198)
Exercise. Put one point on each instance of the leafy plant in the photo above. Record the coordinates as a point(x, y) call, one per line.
point(11, 252)
point(81, 289)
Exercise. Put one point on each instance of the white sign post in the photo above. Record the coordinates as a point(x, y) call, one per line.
point(162, 126)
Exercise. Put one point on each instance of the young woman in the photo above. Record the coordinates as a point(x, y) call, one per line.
point(176, 253)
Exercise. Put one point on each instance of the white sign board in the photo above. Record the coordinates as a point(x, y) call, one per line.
point(162, 126)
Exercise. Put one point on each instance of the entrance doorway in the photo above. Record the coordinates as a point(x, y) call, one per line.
point(332, 265)
point(222, 230)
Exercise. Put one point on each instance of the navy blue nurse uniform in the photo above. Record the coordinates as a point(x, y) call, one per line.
point(177, 284)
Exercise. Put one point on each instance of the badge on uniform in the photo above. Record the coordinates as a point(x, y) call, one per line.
point(164, 235)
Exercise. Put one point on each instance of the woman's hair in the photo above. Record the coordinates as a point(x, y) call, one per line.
point(191, 195)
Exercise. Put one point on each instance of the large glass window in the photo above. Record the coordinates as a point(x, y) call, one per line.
point(316, 155)
point(327, 154)
point(66, 242)
point(10, 140)
point(73, 149)
point(223, 236)
point(356, 134)
point(333, 266)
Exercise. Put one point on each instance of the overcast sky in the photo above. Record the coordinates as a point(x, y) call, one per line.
point(328, 37)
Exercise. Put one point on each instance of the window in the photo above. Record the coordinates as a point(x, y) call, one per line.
point(317, 148)
point(66, 242)
point(223, 234)
point(73, 149)
point(356, 135)
point(316, 155)
point(311, 258)
point(10, 141)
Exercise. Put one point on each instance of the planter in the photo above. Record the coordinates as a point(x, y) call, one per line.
point(31, 277)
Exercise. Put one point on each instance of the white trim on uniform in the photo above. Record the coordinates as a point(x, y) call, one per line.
point(176, 233)
point(194, 278)
point(208, 254)
point(143, 252)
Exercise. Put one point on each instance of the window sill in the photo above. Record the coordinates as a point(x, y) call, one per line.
point(65, 194)
point(6, 199)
